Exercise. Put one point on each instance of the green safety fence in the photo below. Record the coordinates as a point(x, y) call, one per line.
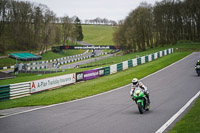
point(138, 61)
point(130, 63)
point(146, 59)
point(158, 53)
point(4, 92)
point(107, 70)
point(119, 67)
point(152, 56)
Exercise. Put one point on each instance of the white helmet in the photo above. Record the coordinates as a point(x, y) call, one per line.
point(135, 82)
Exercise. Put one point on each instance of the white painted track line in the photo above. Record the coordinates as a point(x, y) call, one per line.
point(173, 118)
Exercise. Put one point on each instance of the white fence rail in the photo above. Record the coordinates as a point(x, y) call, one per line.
point(19, 90)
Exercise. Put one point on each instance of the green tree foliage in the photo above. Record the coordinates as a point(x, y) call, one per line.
point(166, 22)
point(32, 26)
point(136, 31)
point(78, 29)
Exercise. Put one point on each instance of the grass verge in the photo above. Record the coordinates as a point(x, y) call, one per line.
point(190, 122)
point(98, 34)
point(95, 86)
point(46, 56)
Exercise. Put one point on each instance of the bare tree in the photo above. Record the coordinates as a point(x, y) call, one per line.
point(66, 28)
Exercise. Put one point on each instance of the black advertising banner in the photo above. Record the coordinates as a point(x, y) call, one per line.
point(86, 47)
point(79, 76)
point(101, 72)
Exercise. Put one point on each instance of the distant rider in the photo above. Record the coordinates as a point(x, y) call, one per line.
point(135, 84)
point(197, 64)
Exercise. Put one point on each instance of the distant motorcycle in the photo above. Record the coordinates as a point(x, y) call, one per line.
point(197, 68)
point(141, 100)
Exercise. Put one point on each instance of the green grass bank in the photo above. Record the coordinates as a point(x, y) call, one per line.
point(98, 34)
point(190, 123)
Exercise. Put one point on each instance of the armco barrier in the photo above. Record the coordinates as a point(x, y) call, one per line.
point(27, 88)
point(155, 56)
point(163, 53)
point(138, 61)
point(19, 90)
point(142, 59)
point(107, 70)
point(113, 68)
point(130, 63)
point(158, 53)
point(134, 62)
point(4, 92)
point(125, 65)
point(152, 56)
point(43, 62)
point(119, 67)
point(60, 61)
point(146, 59)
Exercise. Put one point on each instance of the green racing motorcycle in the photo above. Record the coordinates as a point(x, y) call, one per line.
point(141, 100)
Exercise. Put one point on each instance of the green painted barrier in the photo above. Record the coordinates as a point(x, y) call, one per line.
point(119, 67)
point(4, 92)
point(152, 56)
point(138, 61)
point(146, 59)
point(107, 70)
point(167, 51)
point(163, 53)
point(130, 63)
point(158, 54)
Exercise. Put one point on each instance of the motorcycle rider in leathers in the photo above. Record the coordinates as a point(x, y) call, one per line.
point(198, 63)
point(135, 84)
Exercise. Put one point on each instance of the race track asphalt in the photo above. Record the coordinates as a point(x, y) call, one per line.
point(115, 112)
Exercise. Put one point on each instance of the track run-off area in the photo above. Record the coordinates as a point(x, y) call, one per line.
point(114, 111)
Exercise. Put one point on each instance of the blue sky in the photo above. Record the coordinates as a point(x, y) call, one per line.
point(90, 9)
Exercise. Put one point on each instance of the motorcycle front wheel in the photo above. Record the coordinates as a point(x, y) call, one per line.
point(140, 108)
